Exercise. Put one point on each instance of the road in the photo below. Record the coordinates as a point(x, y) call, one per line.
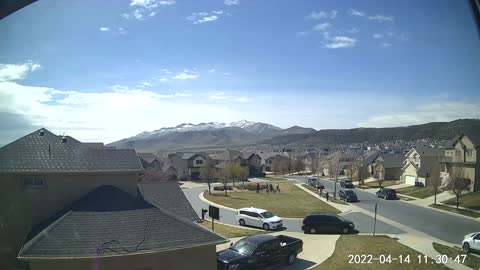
point(449, 228)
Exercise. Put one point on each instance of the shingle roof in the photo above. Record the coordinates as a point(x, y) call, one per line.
point(148, 157)
point(109, 221)
point(48, 154)
point(227, 155)
point(426, 151)
point(370, 156)
point(393, 160)
point(168, 195)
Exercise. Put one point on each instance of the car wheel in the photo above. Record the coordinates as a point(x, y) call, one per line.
point(312, 231)
point(242, 222)
point(291, 258)
point(466, 247)
point(266, 226)
point(345, 230)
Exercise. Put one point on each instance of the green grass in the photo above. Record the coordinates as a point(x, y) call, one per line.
point(405, 198)
point(469, 200)
point(229, 231)
point(385, 183)
point(273, 178)
point(417, 192)
point(455, 210)
point(290, 202)
point(470, 261)
point(330, 198)
point(375, 246)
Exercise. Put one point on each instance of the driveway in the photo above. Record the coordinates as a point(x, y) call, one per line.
point(449, 228)
point(316, 249)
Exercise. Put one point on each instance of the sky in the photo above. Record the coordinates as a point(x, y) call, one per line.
point(107, 70)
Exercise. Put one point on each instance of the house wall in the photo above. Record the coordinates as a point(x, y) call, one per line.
point(409, 170)
point(393, 173)
point(194, 162)
point(22, 208)
point(199, 258)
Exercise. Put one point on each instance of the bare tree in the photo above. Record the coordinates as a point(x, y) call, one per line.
point(457, 183)
point(380, 171)
point(358, 169)
point(314, 166)
point(230, 172)
point(284, 166)
point(433, 179)
point(334, 169)
point(290, 164)
point(207, 172)
point(276, 166)
point(299, 164)
point(242, 174)
point(153, 174)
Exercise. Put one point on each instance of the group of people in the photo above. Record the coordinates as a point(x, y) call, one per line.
point(268, 188)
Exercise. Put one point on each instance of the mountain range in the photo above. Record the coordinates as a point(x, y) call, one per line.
point(245, 132)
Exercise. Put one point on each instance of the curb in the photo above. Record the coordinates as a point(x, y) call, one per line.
point(324, 200)
point(236, 226)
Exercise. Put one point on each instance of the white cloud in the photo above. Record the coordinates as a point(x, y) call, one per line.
point(353, 30)
point(104, 29)
point(143, 8)
point(211, 70)
point(322, 26)
point(146, 84)
point(377, 36)
point(381, 18)
point(357, 13)
point(337, 42)
point(219, 95)
point(184, 76)
point(226, 73)
point(232, 2)
point(203, 17)
point(121, 30)
point(222, 96)
point(385, 44)
point(166, 71)
point(317, 15)
point(241, 99)
point(12, 72)
point(163, 79)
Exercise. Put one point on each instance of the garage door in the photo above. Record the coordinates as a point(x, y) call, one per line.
point(410, 180)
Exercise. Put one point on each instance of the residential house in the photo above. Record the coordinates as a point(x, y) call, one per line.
point(184, 165)
point(391, 164)
point(345, 159)
point(68, 205)
point(419, 163)
point(269, 159)
point(464, 152)
point(249, 160)
point(150, 161)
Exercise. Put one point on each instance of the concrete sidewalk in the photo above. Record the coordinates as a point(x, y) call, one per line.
point(341, 207)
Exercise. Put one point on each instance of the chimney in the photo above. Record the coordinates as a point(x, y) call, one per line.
point(64, 139)
point(41, 132)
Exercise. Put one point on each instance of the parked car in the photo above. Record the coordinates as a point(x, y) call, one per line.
point(259, 251)
point(471, 241)
point(312, 181)
point(346, 184)
point(387, 193)
point(258, 218)
point(326, 223)
point(347, 195)
point(319, 186)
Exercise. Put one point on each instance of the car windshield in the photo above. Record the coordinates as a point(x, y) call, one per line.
point(349, 192)
point(267, 214)
point(390, 191)
point(244, 247)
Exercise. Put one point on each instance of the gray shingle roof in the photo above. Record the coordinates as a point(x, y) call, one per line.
point(148, 157)
point(393, 160)
point(167, 195)
point(48, 154)
point(370, 156)
point(96, 226)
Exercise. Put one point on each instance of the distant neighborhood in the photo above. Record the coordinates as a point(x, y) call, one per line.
point(91, 203)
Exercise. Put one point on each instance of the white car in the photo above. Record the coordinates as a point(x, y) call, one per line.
point(471, 241)
point(258, 218)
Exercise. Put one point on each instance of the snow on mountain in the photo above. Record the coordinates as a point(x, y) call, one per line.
point(186, 127)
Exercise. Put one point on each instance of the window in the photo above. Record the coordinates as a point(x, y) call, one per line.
point(34, 181)
point(199, 162)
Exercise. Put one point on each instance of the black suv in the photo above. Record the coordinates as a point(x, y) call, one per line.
point(347, 195)
point(387, 193)
point(326, 223)
point(346, 184)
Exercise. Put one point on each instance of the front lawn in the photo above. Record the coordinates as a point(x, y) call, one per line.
point(290, 202)
point(470, 261)
point(273, 178)
point(455, 210)
point(469, 200)
point(330, 198)
point(385, 183)
point(348, 245)
point(418, 192)
point(229, 231)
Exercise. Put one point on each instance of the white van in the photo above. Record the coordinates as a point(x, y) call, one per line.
point(258, 218)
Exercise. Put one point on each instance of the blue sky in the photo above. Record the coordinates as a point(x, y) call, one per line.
point(105, 70)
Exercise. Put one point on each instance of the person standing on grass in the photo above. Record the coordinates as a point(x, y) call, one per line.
point(326, 195)
point(258, 188)
point(278, 188)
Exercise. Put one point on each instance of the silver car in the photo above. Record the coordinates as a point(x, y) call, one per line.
point(471, 242)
